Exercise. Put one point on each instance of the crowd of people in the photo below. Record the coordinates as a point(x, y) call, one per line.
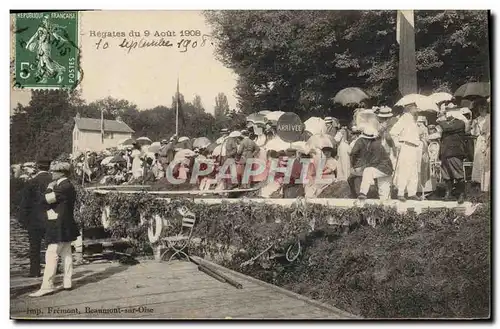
point(406, 152)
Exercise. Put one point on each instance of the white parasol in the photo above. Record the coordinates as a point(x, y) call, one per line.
point(319, 141)
point(144, 140)
point(274, 116)
point(424, 103)
point(184, 153)
point(441, 97)
point(315, 125)
point(276, 144)
point(155, 147)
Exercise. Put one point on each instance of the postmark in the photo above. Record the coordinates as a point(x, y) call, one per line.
point(46, 50)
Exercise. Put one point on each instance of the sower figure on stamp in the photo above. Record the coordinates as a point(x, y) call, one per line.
point(33, 213)
point(61, 228)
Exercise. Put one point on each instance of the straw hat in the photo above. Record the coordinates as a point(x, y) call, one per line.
point(369, 132)
point(328, 119)
point(384, 112)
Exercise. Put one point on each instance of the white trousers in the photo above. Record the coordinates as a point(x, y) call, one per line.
point(406, 176)
point(368, 179)
point(54, 251)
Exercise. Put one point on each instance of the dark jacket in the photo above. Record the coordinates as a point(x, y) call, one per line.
point(370, 153)
point(453, 139)
point(61, 225)
point(33, 210)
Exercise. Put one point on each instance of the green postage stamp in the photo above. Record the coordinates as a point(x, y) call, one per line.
point(46, 50)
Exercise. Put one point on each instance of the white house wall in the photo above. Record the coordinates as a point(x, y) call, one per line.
point(91, 140)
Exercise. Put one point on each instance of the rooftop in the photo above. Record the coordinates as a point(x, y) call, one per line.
point(109, 125)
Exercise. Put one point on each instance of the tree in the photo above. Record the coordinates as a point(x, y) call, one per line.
point(298, 60)
point(197, 103)
point(221, 105)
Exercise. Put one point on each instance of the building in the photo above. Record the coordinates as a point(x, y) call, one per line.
point(87, 134)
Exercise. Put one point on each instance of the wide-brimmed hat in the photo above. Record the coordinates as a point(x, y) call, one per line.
point(384, 112)
point(59, 166)
point(328, 119)
point(369, 132)
point(235, 133)
point(224, 131)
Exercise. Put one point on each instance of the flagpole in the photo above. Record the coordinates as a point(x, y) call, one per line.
point(177, 109)
point(102, 125)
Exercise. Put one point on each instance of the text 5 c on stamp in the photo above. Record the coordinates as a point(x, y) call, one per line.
point(46, 50)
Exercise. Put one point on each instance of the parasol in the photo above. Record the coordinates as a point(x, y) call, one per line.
point(201, 142)
point(155, 147)
point(127, 141)
point(144, 141)
point(211, 147)
point(315, 125)
point(184, 153)
point(319, 141)
point(183, 143)
point(276, 144)
point(117, 159)
point(217, 150)
point(424, 103)
point(106, 161)
point(479, 89)
point(274, 116)
point(441, 97)
point(351, 95)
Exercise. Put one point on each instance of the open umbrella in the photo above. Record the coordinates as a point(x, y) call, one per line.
point(315, 125)
point(211, 147)
point(117, 159)
point(319, 141)
point(441, 97)
point(300, 147)
point(155, 147)
point(144, 141)
point(471, 89)
point(184, 153)
point(257, 118)
point(351, 95)
point(424, 103)
point(201, 142)
point(217, 150)
point(106, 161)
point(183, 144)
point(127, 141)
point(274, 116)
point(276, 144)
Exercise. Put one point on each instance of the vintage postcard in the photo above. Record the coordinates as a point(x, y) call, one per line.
point(245, 164)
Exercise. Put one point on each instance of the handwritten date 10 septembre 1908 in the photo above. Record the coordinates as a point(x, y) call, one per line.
point(183, 44)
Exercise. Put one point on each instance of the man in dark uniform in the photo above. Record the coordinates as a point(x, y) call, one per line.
point(453, 152)
point(33, 213)
point(60, 229)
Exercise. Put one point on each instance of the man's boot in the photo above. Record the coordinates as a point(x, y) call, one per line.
point(461, 191)
point(449, 187)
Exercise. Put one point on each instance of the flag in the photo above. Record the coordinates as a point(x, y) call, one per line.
point(405, 36)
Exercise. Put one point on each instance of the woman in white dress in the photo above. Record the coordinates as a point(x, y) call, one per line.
point(137, 169)
point(480, 130)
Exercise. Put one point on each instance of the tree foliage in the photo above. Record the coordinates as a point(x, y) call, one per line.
point(298, 60)
point(221, 106)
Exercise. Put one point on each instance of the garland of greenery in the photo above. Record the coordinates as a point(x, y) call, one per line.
point(247, 226)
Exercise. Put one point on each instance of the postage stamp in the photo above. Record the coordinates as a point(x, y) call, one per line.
point(46, 50)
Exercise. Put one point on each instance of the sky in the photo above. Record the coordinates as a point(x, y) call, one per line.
point(147, 76)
